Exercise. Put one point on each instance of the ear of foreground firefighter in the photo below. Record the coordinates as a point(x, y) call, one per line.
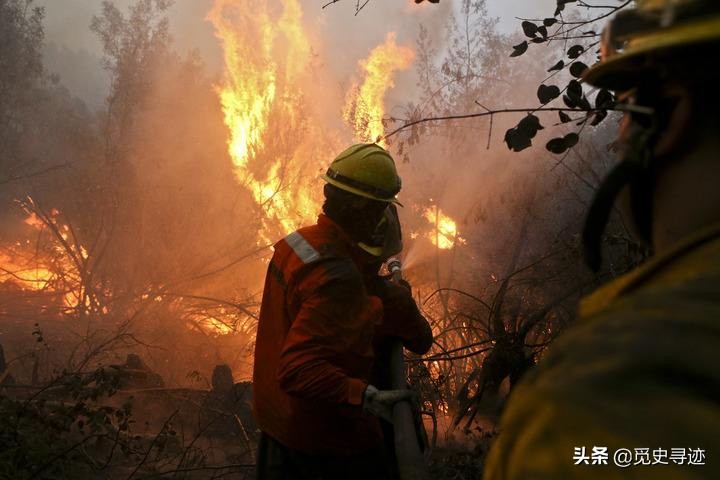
point(313, 400)
point(640, 370)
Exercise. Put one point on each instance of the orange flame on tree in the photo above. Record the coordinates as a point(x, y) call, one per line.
point(275, 143)
point(445, 234)
point(51, 271)
point(259, 89)
point(23, 272)
point(364, 107)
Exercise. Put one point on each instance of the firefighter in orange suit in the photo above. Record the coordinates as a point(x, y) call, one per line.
point(314, 354)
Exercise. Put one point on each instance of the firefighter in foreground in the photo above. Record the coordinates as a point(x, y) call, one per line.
point(323, 305)
point(641, 368)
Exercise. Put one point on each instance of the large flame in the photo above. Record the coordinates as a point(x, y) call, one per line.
point(265, 56)
point(250, 42)
point(445, 233)
point(278, 143)
point(274, 141)
point(364, 108)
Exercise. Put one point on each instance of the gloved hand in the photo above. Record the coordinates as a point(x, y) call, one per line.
point(397, 298)
point(380, 402)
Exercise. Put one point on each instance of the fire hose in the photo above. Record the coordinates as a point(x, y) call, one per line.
point(410, 460)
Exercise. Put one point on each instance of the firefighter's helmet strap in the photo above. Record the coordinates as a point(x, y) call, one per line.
point(634, 170)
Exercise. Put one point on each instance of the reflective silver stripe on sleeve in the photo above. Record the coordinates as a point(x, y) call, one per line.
point(302, 248)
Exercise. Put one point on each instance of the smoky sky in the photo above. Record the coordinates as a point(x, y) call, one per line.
point(339, 38)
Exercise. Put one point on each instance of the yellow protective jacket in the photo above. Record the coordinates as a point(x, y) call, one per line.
point(640, 370)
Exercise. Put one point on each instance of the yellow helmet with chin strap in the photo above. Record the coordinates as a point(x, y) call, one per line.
point(634, 37)
point(367, 170)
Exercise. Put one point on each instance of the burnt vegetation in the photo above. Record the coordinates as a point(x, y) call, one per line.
point(124, 324)
point(99, 264)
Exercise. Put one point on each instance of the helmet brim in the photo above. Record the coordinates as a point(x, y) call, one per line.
point(624, 70)
point(357, 191)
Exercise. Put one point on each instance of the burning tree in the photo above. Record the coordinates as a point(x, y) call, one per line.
point(93, 260)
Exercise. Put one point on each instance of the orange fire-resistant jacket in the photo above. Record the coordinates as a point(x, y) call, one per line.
point(314, 351)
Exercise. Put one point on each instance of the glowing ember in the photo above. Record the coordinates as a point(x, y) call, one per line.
point(34, 221)
point(364, 107)
point(445, 234)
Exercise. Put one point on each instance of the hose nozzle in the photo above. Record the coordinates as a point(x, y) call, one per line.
point(394, 266)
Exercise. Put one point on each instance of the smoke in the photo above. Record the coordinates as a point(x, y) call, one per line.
point(338, 38)
point(190, 232)
point(519, 213)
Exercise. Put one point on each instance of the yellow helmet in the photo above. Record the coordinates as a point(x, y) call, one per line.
point(365, 169)
point(655, 27)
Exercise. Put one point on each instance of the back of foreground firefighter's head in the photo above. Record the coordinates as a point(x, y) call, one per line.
point(643, 44)
point(655, 54)
point(660, 59)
